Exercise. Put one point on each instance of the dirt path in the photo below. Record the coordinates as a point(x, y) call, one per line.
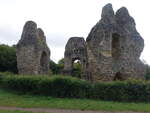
point(56, 110)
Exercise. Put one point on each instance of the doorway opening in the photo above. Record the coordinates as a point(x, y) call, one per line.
point(76, 68)
point(43, 63)
point(118, 76)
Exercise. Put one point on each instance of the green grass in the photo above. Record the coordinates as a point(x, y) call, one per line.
point(29, 101)
point(16, 111)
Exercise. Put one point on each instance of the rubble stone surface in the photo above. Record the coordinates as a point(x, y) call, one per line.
point(33, 54)
point(113, 48)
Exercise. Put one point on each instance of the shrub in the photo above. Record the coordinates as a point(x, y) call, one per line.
point(54, 86)
point(20, 83)
point(63, 86)
point(110, 91)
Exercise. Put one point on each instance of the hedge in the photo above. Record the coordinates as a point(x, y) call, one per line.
point(63, 86)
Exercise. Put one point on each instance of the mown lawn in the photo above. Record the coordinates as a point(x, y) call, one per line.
point(15, 111)
point(30, 101)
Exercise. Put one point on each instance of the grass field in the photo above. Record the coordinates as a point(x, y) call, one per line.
point(14, 111)
point(29, 101)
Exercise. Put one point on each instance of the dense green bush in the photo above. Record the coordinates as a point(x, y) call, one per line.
point(57, 68)
point(8, 59)
point(123, 91)
point(58, 86)
point(62, 86)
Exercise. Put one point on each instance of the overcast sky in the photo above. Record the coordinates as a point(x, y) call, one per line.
point(62, 19)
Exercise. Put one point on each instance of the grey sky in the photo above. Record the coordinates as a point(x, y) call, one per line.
point(62, 19)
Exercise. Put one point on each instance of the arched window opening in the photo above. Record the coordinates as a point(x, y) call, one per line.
point(118, 76)
point(43, 62)
point(115, 46)
point(76, 69)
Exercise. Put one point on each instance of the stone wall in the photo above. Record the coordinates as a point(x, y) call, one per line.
point(110, 52)
point(33, 54)
point(113, 47)
point(76, 50)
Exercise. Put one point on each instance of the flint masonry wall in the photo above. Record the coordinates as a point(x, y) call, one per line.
point(112, 48)
point(33, 54)
point(76, 50)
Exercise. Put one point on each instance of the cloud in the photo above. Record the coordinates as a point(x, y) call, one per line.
point(62, 19)
point(56, 39)
point(57, 53)
point(8, 35)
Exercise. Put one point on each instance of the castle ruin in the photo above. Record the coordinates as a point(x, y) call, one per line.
point(112, 48)
point(32, 52)
point(76, 50)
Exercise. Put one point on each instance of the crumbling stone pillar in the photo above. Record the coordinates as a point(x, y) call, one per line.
point(76, 50)
point(114, 47)
point(33, 54)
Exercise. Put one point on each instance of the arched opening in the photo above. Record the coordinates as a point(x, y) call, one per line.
point(76, 68)
point(43, 63)
point(115, 45)
point(118, 76)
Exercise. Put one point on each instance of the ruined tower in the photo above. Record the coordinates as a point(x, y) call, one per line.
point(76, 50)
point(114, 47)
point(33, 54)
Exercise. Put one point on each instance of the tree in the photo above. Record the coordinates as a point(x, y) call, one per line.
point(147, 75)
point(8, 59)
point(53, 67)
point(60, 66)
point(57, 68)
